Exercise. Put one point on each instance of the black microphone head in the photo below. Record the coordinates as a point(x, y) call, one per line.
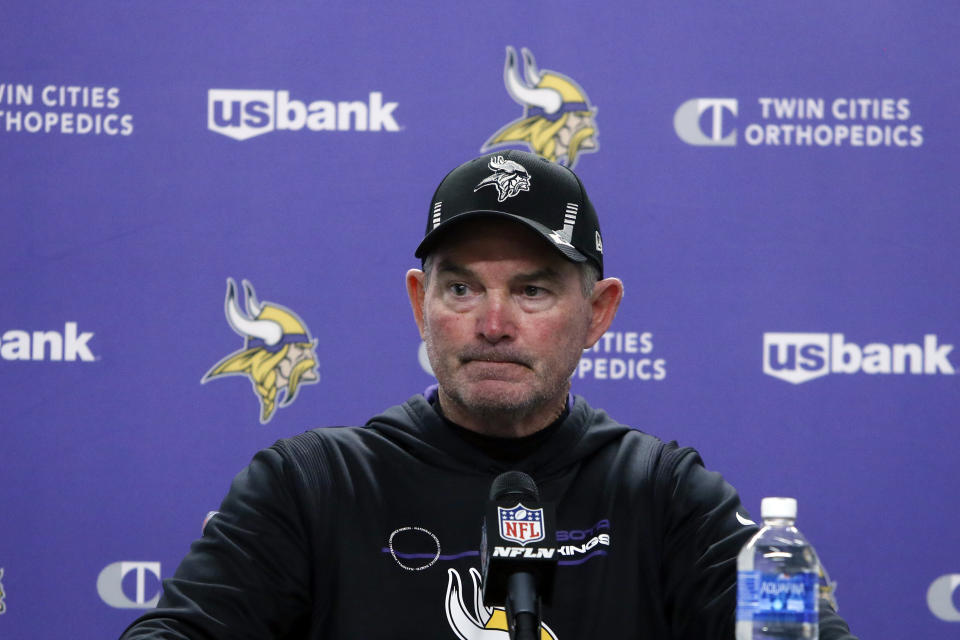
point(516, 484)
point(518, 537)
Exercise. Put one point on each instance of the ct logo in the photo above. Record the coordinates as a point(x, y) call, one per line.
point(686, 122)
point(424, 359)
point(940, 597)
point(110, 584)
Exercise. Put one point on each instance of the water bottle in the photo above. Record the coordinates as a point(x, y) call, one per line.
point(777, 578)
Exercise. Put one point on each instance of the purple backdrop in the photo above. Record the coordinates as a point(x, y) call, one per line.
point(777, 186)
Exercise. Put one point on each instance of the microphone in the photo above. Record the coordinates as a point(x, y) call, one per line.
point(518, 558)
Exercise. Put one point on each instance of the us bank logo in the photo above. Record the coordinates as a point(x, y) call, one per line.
point(119, 581)
point(244, 113)
point(801, 357)
point(69, 345)
point(774, 121)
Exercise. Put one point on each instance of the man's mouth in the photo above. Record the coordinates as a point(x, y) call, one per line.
point(494, 358)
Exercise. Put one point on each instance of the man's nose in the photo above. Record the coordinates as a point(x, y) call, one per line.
point(497, 318)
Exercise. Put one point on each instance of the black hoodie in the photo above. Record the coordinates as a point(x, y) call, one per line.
point(373, 532)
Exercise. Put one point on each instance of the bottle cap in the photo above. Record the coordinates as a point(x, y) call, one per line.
point(778, 508)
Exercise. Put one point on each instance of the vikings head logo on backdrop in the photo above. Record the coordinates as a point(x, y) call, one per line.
point(558, 120)
point(278, 355)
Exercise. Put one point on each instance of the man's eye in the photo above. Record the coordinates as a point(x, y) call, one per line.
point(532, 291)
point(458, 289)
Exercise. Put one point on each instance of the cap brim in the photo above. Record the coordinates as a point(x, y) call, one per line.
point(550, 236)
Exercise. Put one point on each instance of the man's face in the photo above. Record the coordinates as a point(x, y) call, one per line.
point(504, 319)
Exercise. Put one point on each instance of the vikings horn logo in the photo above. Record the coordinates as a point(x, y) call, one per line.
point(278, 355)
point(483, 623)
point(509, 177)
point(558, 120)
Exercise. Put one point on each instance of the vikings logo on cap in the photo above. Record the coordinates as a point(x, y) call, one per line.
point(558, 120)
point(278, 355)
point(520, 524)
point(509, 177)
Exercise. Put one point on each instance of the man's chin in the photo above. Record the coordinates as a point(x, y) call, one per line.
point(507, 379)
point(492, 396)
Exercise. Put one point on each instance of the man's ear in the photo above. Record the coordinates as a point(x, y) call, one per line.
point(416, 291)
point(604, 301)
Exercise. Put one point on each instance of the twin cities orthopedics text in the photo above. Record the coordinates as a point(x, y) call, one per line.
point(64, 109)
point(622, 355)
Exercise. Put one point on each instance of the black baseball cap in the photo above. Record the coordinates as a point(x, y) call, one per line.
point(547, 197)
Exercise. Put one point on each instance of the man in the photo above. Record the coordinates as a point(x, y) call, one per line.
point(374, 532)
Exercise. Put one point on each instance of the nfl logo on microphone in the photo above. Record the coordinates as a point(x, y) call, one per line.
point(520, 524)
